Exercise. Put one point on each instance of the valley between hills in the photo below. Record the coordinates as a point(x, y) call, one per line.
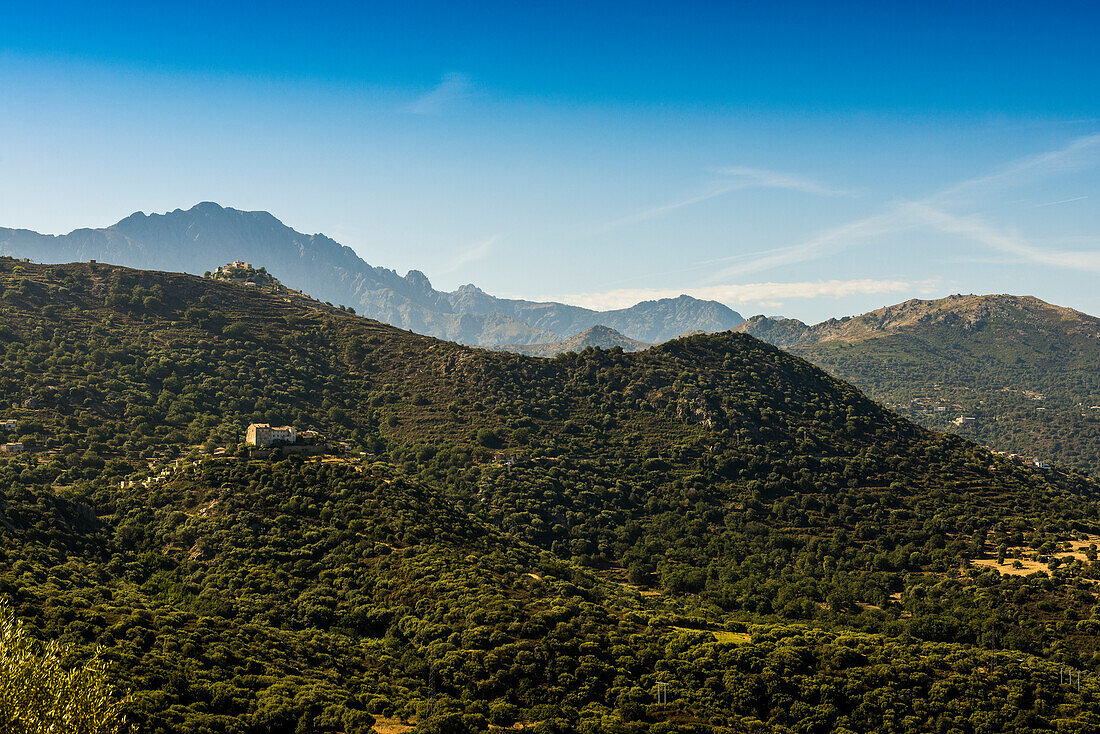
point(708, 535)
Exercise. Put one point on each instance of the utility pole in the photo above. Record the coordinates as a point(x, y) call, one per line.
point(433, 685)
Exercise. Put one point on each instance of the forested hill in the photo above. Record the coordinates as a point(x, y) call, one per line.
point(208, 235)
point(1011, 372)
point(511, 541)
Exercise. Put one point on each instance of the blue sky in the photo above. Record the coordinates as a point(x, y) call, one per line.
point(808, 159)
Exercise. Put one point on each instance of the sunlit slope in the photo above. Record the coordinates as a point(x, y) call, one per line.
point(1011, 372)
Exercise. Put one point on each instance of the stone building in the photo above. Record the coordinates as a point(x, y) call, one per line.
point(264, 434)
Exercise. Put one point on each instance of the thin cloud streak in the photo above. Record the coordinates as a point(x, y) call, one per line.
point(1071, 156)
point(768, 294)
point(932, 212)
point(659, 210)
point(829, 242)
point(761, 178)
point(474, 253)
point(978, 230)
point(744, 178)
point(1063, 201)
point(451, 88)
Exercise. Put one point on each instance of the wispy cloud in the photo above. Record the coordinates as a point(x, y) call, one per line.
point(1080, 152)
point(761, 178)
point(451, 88)
point(1060, 201)
point(475, 252)
point(978, 230)
point(657, 211)
point(829, 242)
point(762, 294)
point(934, 212)
point(734, 178)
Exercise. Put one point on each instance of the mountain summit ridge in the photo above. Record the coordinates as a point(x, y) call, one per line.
point(967, 311)
point(1012, 372)
point(208, 234)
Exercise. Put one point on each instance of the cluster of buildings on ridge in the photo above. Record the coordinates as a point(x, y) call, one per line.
point(235, 265)
point(12, 447)
point(244, 273)
point(233, 271)
point(1025, 460)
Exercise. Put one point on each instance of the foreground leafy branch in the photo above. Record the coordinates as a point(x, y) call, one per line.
point(39, 694)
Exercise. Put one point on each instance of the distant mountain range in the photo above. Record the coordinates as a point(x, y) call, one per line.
point(209, 235)
point(1012, 372)
point(599, 337)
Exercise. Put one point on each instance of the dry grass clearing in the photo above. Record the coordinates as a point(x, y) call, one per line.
point(640, 589)
point(1029, 566)
point(733, 638)
point(1008, 568)
point(391, 726)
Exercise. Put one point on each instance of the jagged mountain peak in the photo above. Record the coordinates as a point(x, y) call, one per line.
point(418, 280)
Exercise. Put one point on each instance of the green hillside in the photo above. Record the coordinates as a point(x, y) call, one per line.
point(1023, 370)
point(508, 541)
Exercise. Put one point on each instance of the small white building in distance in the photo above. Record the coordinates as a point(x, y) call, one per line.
point(9, 425)
point(264, 434)
point(12, 448)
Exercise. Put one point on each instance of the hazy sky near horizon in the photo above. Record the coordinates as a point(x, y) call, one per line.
point(805, 159)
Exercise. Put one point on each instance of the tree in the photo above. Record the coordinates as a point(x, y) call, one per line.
point(488, 438)
point(37, 692)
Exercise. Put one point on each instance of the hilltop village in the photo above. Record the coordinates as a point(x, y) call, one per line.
point(243, 273)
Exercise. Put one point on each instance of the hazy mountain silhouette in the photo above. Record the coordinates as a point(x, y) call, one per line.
point(208, 235)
